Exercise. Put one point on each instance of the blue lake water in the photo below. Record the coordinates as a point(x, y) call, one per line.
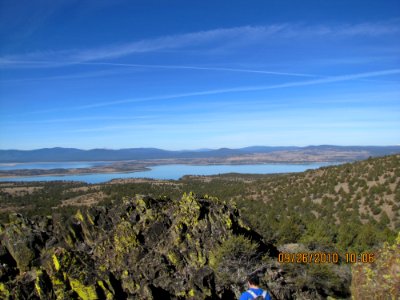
point(177, 171)
point(50, 165)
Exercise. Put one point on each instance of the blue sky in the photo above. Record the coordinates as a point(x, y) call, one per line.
point(198, 74)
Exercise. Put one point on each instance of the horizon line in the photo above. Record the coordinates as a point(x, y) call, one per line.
point(201, 149)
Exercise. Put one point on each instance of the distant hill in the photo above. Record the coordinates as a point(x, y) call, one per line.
point(71, 154)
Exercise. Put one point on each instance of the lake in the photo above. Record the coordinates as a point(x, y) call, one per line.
point(175, 172)
point(51, 165)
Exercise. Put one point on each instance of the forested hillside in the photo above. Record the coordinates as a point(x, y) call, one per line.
point(353, 206)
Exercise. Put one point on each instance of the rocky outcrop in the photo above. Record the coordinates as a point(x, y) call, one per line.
point(144, 248)
point(139, 249)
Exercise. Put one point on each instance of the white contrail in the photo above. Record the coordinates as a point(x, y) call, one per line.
point(198, 68)
point(331, 79)
point(176, 67)
point(250, 88)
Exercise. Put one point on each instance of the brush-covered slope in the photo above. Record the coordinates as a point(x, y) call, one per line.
point(353, 206)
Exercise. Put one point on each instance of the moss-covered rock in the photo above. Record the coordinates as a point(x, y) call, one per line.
point(141, 249)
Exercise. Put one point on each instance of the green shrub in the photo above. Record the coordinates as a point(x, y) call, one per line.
point(234, 259)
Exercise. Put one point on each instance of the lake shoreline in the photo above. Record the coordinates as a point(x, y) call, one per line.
point(138, 166)
point(167, 172)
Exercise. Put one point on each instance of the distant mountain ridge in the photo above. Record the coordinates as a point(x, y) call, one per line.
point(59, 154)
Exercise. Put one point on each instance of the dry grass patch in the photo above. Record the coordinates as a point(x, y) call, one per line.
point(18, 190)
point(84, 200)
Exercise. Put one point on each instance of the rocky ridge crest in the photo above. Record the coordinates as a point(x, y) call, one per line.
point(140, 249)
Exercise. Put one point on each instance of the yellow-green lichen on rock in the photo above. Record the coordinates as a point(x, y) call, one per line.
point(173, 258)
point(106, 291)
point(56, 262)
point(228, 222)
point(381, 278)
point(124, 238)
point(18, 238)
point(4, 292)
point(188, 209)
point(191, 293)
point(84, 292)
point(142, 248)
point(38, 288)
point(79, 216)
point(129, 284)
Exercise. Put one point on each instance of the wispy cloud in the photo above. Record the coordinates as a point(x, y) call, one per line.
point(23, 20)
point(143, 66)
point(239, 36)
point(163, 43)
point(325, 80)
point(81, 119)
point(250, 121)
point(371, 29)
point(201, 68)
point(331, 79)
point(107, 128)
point(81, 75)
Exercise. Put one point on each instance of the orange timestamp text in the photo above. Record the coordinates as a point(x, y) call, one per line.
point(325, 257)
point(308, 257)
